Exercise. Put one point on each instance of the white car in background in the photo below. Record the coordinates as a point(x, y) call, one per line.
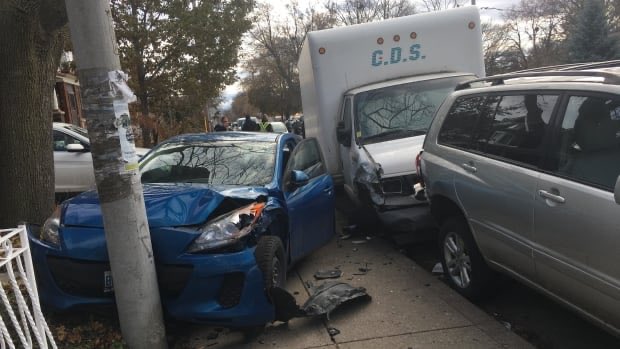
point(73, 163)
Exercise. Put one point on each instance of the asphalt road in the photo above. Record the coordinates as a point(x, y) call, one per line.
point(533, 316)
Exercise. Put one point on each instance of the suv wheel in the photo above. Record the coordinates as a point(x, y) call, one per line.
point(463, 265)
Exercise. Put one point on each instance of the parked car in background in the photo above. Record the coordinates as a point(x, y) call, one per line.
point(522, 173)
point(73, 162)
point(279, 127)
point(228, 212)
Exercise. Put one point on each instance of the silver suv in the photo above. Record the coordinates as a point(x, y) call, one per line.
point(522, 173)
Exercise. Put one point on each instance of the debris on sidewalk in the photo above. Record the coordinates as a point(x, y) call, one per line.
point(437, 269)
point(358, 242)
point(327, 274)
point(330, 295)
point(324, 299)
point(333, 331)
point(363, 270)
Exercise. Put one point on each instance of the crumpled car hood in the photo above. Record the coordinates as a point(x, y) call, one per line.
point(396, 157)
point(167, 205)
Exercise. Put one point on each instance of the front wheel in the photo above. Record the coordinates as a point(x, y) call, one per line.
point(463, 264)
point(270, 259)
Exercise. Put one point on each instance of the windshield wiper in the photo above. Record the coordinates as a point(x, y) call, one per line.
point(391, 133)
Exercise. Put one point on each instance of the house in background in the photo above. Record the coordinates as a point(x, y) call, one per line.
point(67, 105)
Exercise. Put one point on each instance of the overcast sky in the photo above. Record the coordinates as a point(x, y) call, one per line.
point(490, 10)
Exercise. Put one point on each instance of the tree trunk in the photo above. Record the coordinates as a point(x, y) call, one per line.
point(31, 49)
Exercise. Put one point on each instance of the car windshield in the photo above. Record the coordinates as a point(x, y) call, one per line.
point(228, 163)
point(400, 111)
point(279, 127)
point(81, 131)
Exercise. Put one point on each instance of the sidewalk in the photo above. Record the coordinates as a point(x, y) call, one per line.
point(409, 309)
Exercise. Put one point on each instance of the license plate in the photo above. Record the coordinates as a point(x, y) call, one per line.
point(108, 286)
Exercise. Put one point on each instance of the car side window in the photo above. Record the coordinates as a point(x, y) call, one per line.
point(589, 143)
point(518, 126)
point(286, 155)
point(61, 141)
point(307, 158)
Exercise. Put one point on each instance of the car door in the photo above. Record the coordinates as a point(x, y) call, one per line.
point(496, 178)
point(577, 230)
point(311, 206)
point(73, 171)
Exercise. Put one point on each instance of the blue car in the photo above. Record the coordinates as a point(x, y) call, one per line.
point(228, 213)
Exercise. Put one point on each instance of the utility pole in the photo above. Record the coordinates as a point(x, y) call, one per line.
point(105, 97)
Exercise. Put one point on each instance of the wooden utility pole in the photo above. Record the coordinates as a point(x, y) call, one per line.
point(105, 97)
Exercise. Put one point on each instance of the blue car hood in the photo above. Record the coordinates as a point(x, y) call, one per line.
point(167, 205)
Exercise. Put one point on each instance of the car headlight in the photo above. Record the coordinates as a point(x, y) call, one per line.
point(227, 229)
point(49, 232)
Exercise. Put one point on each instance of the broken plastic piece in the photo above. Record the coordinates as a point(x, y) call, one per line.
point(333, 331)
point(327, 274)
point(438, 268)
point(330, 295)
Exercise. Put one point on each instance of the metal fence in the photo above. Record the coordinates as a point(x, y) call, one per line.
point(21, 320)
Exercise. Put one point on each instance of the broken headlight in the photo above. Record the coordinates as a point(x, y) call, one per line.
point(227, 229)
point(49, 233)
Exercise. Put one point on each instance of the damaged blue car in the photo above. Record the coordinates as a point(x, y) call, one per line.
point(228, 213)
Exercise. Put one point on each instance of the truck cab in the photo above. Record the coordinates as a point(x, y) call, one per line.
point(380, 131)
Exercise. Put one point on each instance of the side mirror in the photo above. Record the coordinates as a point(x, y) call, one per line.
point(75, 148)
point(617, 191)
point(299, 179)
point(343, 135)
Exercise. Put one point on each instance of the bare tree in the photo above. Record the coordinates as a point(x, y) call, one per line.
point(535, 28)
point(351, 12)
point(498, 55)
point(437, 5)
point(273, 83)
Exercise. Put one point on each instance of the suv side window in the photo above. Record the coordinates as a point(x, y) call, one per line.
point(458, 126)
point(518, 126)
point(589, 141)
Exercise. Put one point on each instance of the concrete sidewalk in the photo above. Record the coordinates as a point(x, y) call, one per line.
point(409, 309)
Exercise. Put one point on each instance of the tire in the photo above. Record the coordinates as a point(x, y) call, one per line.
point(465, 269)
point(270, 259)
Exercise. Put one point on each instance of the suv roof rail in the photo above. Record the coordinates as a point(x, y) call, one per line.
point(609, 78)
point(573, 66)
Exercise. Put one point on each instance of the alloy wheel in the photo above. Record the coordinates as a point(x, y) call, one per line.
point(457, 260)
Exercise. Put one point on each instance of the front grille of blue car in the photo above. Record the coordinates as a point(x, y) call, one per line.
point(78, 277)
point(231, 290)
point(87, 279)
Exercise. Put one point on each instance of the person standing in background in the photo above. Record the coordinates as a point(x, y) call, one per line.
point(264, 125)
point(249, 124)
point(223, 125)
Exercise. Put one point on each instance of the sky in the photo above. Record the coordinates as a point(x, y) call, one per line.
point(490, 10)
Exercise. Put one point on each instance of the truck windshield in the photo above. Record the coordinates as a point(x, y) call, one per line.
point(400, 111)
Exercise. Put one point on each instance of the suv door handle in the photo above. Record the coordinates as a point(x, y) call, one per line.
point(328, 190)
point(553, 197)
point(469, 167)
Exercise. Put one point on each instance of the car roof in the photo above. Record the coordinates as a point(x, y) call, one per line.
point(226, 136)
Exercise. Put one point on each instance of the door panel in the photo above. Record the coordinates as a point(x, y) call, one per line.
point(311, 206)
point(73, 171)
point(577, 230)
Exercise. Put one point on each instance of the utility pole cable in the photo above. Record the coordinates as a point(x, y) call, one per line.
point(105, 98)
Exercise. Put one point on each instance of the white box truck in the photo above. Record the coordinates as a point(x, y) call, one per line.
point(369, 93)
